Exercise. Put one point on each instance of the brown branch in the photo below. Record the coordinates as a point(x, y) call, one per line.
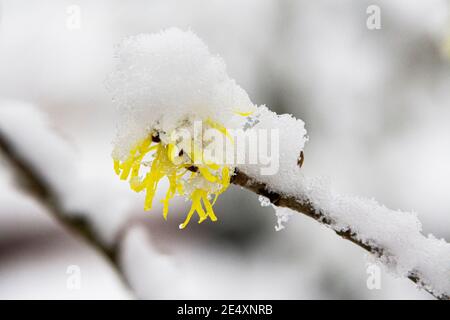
point(34, 184)
point(305, 207)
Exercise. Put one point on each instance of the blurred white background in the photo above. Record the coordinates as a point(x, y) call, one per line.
point(376, 105)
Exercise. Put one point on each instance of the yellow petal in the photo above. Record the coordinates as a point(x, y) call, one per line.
point(188, 217)
point(209, 208)
point(207, 175)
point(117, 166)
point(243, 113)
point(216, 125)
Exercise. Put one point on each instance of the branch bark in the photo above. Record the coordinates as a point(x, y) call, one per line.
point(305, 207)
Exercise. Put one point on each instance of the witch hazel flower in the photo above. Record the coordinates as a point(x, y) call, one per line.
point(170, 92)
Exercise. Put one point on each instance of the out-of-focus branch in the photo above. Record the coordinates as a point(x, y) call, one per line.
point(35, 185)
point(305, 207)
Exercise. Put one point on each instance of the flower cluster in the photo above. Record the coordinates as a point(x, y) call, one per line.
point(164, 84)
point(183, 161)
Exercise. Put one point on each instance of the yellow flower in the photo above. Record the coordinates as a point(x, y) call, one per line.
point(188, 173)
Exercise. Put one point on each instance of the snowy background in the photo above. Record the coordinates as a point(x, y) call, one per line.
point(376, 105)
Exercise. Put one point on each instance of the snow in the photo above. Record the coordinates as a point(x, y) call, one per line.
point(48, 154)
point(146, 99)
point(291, 141)
point(37, 251)
point(206, 270)
point(283, 215)
point(405, 250)
point(98, 197)
point(265, 202)
point(164, 78)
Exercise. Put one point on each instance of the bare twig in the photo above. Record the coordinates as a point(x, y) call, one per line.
point(305, 207)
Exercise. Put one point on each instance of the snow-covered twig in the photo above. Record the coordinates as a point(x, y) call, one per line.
point(304, 205)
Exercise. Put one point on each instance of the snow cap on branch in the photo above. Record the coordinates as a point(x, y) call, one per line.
point(163, 78)
point(165, 84)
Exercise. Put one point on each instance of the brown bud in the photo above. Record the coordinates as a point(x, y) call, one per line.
point(300, 159)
